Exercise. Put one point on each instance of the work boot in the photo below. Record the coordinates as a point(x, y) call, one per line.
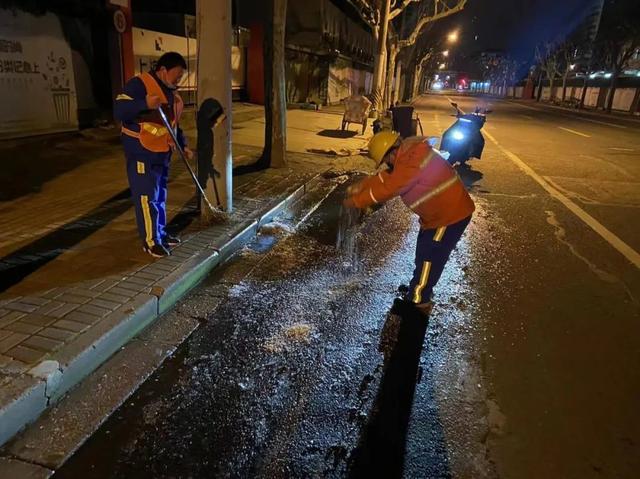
point(170, 241)
point(403, 290)
point(157, 250)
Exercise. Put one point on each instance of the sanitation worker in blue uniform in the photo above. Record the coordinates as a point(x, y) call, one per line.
point(148, 145)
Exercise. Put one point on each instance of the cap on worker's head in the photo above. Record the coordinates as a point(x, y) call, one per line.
point(381, 143)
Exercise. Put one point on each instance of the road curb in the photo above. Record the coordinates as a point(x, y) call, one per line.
point(27, 396)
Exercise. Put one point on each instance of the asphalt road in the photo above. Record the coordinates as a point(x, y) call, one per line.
point(530, 363)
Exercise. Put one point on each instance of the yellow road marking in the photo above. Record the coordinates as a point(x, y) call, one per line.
point(574, 132)
point(627, 251)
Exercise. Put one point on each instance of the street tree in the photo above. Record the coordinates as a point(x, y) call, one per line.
point(379, 13)
point(274, 152)
point(548, 60)
point(569, 53)
point(617, 40)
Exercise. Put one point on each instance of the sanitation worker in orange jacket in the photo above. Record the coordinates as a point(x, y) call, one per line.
point(430, 187)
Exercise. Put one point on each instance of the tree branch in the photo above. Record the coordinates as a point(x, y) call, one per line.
point(444, 12)
point(400, 8)
point(366, 12)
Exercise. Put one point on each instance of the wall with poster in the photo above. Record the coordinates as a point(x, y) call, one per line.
point(37, 87)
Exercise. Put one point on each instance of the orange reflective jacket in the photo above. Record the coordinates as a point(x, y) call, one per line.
point(153, 135)
point(424, 180)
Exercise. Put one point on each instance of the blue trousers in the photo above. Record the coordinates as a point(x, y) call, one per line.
point(148, 173)
point(433, 249)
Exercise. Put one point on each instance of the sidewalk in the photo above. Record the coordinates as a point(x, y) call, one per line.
point(74, 283)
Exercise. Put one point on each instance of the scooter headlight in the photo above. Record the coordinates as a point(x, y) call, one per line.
point(457, 135)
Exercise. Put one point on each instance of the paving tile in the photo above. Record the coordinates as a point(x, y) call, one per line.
point(53, 293)
point(64, 310)
point(23, 307)
point(103, 303)
point(25, 354)
point(12, 317)
point(10, 341)
point(106, 284)
point(4, 312)
point(95, 310)
point(34, 300)
point(82, 292)
point(116, 298)
point(4, 333)
point(22, 327)
point(128, 293)
point(49, 307)
point(38, 320)
point(136, 280)
point(73, 298)
point(68, 325)
point(84, 318)
point(55, 333)
point(42, 344)
point(149, 276)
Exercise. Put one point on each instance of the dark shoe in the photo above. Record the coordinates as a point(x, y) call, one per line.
point(403, 290)
point(170, 241)
point(157, 251)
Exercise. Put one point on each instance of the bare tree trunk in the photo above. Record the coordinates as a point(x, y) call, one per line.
point(391, 69)
point(564, 86)
point(612, 89)
point(214, 81)
point(380, 57)
point(274, 153)
point(416, 82)
point(539, 95)
point(396, 92)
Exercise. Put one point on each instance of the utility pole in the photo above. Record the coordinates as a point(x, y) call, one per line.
point(214, 81)
point(381, 56)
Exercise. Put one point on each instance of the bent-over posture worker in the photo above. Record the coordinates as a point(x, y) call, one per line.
point(430, 187)
point(148, 145)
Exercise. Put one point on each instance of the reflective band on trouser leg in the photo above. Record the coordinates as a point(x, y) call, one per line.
point(439, 233)
point(424, 277)
point(148, 224)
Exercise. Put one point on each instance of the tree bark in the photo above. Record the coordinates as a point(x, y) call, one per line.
point(274, 153)
point(613, 85)
point(415, 87)
point(396, 92)
point(539, 95)
point(564, 86)
point(380, 57)
point(214, 81)
point(391, 69)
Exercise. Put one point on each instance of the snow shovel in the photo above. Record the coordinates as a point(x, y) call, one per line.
point(186, 163)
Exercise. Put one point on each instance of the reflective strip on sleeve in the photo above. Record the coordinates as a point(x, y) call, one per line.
point(122, 96)
point(381, 178)
point(436, 191)
point(371, 195)
point(432, 154)
point(140, 166)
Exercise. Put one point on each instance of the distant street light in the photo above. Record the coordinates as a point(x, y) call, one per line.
point(445, 53)
point(573, 66)
point(442, 66)
point(453, 37)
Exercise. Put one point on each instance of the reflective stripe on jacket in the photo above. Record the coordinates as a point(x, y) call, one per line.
point(424, 180)
point(152, 133)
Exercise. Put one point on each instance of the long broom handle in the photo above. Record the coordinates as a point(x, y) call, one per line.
point(184, 159)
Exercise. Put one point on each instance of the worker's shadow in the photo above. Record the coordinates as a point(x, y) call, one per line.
point(469, 176)
point(382, 446)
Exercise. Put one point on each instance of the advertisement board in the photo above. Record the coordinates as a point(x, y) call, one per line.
point(37, 87)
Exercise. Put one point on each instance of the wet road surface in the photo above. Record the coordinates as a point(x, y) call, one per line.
point(529, 365)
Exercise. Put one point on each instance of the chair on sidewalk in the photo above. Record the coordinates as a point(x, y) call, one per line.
point(356, 110)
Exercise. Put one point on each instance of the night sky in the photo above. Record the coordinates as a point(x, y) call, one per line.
point(514, 26)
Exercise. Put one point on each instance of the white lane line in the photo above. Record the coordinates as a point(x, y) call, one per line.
point(627, 251)
point(528, 117)
point(574, 132)
point(621, 149)
point(578, 117)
